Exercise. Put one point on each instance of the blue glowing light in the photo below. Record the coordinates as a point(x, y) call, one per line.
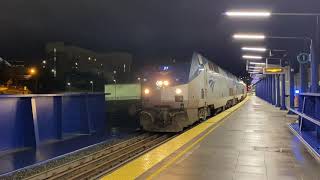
point(164, 68)
point(297, 91)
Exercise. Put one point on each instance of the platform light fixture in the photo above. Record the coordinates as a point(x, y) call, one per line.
point(249, 36)
point(251, 57)
point(257, 63)
point(255, 67)
point(259, 14)
point(255, 49)
point(254, 72)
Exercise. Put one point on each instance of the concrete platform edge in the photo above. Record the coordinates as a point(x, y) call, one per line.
point(131, 170)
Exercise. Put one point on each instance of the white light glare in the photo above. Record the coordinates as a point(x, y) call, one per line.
point(259, 49)
point(248, 14)
point(255, 67)
point(251, 57)
point(249, 36)
point(178, 91)
point(257, 63)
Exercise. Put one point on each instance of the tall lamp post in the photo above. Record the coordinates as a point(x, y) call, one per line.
point(314, 50)
point(33, 73)
point(91, 82)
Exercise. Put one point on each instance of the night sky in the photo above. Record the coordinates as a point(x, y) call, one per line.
point(148, 28)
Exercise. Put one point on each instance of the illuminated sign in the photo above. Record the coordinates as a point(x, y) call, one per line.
point(274, 70)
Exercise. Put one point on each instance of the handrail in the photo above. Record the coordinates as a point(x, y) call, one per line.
point(309, 94)
point(315, 121)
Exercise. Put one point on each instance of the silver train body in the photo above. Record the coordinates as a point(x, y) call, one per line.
point(170, 106)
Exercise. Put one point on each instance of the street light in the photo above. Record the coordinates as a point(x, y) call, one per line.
point(91, 82)
point(68, 86)
point(249, 36)
point(32, 71)
point(115, 89)
point(251, 57)
point(255, 49)
point(262, 14)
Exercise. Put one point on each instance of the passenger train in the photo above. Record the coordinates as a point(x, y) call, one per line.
point(177, 96)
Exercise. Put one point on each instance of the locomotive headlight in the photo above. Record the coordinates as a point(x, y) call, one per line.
point(159, 83)
point(166, 83)
point(146, 91)
point(178, 91)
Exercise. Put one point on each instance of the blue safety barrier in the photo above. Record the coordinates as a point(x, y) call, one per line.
point(32, 120)
point(308, 127)
point(268, 89)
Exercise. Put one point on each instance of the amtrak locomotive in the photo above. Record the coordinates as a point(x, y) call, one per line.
point(179, 95)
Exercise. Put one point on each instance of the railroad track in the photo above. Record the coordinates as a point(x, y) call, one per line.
point(103, 161)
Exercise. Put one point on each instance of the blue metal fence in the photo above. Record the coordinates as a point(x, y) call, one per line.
point(31, 120)
point(308, 128)
point(268, 89)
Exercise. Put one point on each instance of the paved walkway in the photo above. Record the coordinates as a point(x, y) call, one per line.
point(253, 143)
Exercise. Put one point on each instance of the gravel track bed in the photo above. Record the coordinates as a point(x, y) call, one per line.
point(48, 164)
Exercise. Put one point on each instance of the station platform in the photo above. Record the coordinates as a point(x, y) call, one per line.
point(249, 141)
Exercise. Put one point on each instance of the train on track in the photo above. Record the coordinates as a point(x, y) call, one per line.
point(177, 96)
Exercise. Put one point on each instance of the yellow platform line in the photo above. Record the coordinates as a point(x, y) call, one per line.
point(140, 165)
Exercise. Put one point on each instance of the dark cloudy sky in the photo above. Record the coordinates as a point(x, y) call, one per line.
point(146, 28)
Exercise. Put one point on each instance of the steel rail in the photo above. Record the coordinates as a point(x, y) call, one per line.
point(109, 149)
point(104, 160)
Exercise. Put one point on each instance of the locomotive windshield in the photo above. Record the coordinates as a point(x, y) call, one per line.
point(168, 75)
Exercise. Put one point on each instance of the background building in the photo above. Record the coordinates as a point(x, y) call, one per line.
point(75, 68)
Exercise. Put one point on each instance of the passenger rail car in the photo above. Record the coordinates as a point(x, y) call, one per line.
point(179, 95)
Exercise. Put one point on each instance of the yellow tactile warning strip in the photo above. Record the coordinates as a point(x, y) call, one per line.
point(138, 166)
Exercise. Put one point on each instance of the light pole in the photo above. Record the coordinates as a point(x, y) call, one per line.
point(314, 50)
point(69, 85)
point(54, 62)
point(115, 89)
point(33, 73)
point(91, 82)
